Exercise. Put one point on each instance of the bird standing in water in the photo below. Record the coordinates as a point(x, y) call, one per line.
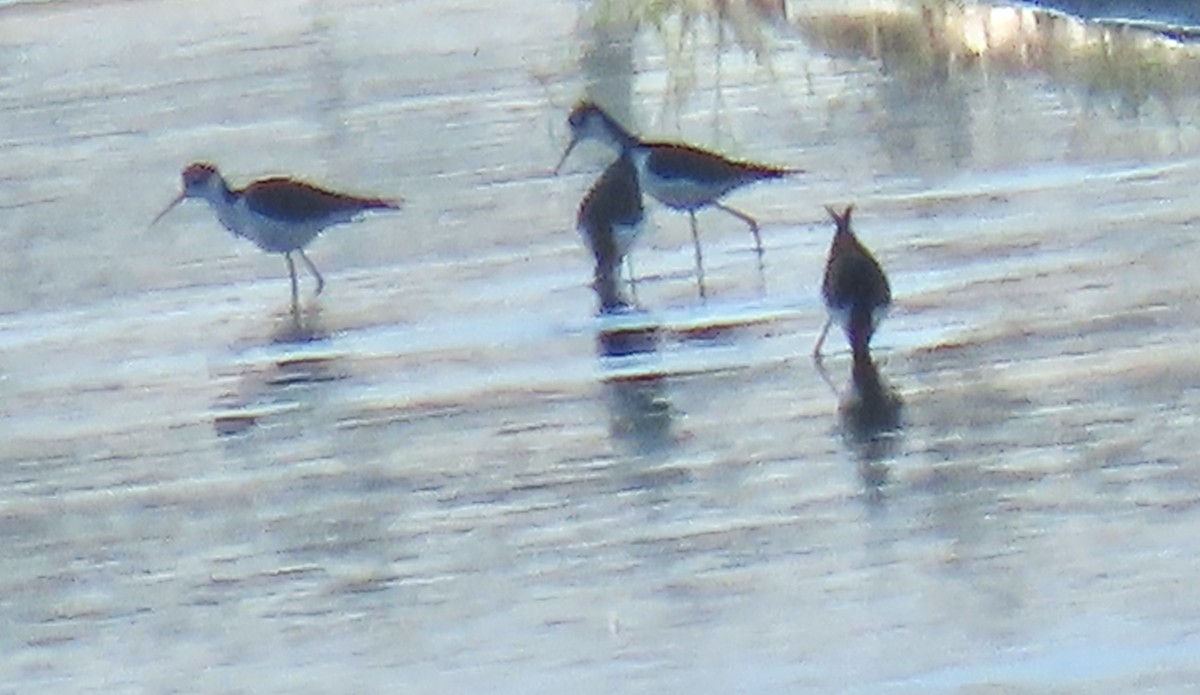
point(680, 176)
point(610, 219)
point(279, 214)
point(855, 289)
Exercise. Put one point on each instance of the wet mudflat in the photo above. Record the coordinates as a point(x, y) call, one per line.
point(436, 480)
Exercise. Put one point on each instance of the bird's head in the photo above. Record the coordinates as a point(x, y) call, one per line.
point(200, 180)
point(590, 122)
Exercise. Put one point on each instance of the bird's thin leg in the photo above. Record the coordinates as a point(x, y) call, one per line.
point(631, 278)
point(699, 256)
point(821, 339)
point(292, 274)
point(607, 284)
point(758, 247)
point(820, 365)
point(316, 273)
point(752, 223)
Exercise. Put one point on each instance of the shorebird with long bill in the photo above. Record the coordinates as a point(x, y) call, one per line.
point(279, 214)
point(680, 176)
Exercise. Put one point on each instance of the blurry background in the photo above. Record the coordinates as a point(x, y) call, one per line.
point(440, 480)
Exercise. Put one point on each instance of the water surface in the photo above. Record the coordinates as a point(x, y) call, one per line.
point(439, 481)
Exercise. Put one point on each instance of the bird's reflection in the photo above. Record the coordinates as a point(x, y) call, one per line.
point(274, 387)
point(640, 411)
point(871, 418)
point(299, 325)
point(871, 408)
point(626, 332)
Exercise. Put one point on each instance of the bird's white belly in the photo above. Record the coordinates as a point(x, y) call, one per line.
point(678, 192)
point(624, 235)
point(268, 233)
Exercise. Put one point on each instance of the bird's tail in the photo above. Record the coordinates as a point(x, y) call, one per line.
point(770, 171)
point(384, 204)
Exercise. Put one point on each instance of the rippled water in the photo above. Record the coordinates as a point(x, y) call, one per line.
point(448, 476)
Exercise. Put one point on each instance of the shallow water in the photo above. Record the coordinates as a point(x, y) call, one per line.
point(439, 481)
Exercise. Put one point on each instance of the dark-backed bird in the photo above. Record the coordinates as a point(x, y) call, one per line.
point(855, 289)
point(680, 176)
point(279, 214)
point(610, 219)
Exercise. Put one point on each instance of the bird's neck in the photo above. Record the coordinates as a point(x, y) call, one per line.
point(224, 202)
point(219, 195)
point(618, 136)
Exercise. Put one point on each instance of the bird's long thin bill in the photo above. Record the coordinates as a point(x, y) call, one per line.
point(170, 207)
point(566, 153)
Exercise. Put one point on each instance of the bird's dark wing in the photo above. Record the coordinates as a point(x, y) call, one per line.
point(859, 282)
point(295, 201)
point(671, 160)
